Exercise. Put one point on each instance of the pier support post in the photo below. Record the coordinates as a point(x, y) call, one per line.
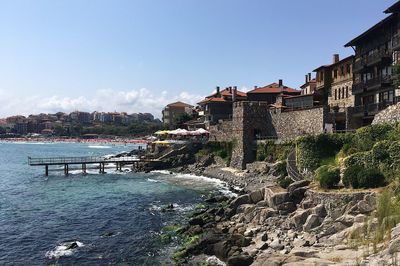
point(84, 168)
point(46, 170)
point(65, 169)
point(102, 168)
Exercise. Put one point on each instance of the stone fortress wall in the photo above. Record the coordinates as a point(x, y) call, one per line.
point(256, 118)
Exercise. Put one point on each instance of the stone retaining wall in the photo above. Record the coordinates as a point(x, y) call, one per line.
point(389, 115)
point(221, 131)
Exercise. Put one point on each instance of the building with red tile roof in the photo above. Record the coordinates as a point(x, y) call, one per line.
point(173, 111)
point(271, 93)
point(218, 105)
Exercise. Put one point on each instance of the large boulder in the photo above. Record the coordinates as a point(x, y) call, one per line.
point(312, 221)
point(297, 195)
point(300, 217)
point(275, 199)
point(362, 207)
point(240, 260)
point(257, 195)
point(244, 199)
point(319, 210)
point(298, 184)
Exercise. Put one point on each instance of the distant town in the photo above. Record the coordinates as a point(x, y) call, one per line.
point(80, 124)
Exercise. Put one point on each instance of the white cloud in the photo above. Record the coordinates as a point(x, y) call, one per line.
point(132, 101)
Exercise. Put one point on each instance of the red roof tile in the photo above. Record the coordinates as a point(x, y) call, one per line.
point(212, 99)
point(179, 104)
point(274, 88)
point(226, 93)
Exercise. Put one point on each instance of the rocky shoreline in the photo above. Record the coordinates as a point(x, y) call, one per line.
point(269, 225)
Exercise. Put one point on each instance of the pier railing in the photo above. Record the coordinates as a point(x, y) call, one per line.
point(80, 160)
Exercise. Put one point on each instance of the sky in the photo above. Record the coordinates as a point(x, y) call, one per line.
point(139, 55)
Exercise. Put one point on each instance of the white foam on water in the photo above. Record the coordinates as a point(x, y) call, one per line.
point(219, 184)
point(99, 147)
point(32, 143)
point(62, 250)
point(152, 180)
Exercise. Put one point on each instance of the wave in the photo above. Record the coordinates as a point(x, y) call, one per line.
point(193, 181)
point(31, 143)
point(64, 249)
point(99, 147)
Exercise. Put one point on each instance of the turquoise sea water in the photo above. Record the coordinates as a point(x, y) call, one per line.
point(115, 217)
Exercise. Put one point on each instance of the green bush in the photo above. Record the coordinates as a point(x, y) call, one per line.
point(350, 176)
point(311, 150)
point(329, 177)
point(281, 169)
point(276, 151)
point(320, 171)
point(221, 149)
point(370, 178)
point(357, 176)
point(284, 182)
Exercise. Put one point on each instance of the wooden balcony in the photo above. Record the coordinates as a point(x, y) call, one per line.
point(373, 108)
point(358, 87)
point(396, 43)
point(379, 57)
point(359, 65)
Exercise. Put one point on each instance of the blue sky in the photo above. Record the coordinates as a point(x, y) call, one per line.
point(137, 56)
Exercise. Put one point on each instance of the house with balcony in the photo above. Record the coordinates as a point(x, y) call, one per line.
point(219, 105)
point(374, 76)
point(173, 111)
point(272, 94)
point(340, 97)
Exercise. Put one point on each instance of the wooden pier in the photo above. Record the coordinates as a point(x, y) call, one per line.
point(84, 161)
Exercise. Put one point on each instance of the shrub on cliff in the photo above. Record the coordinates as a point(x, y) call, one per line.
point(357, 176)
point(284, 182)
point(311, 150)
point(272, 151)
point(350, 176)
point(370, 178)
point(329, 177)
point(366, 137)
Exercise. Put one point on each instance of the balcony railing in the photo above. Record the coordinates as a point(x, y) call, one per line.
point(358, 87)
point(371, 84)
point(359, 65)
point(378, 57)
point(373, 108)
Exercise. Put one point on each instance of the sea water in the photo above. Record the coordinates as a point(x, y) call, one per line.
point(113, 218)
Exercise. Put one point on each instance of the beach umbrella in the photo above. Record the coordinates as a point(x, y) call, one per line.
point(202, 131)
point(162, 132)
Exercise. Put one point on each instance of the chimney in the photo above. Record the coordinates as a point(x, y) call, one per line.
point(234, 94)
point(255, 87)
point(309, 76)
point(230, 90)
point(335, 58)
point(306, 79)
point(280, 82)
point(218, 94)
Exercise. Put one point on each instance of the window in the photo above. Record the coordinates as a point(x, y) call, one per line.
point(335, 73)
point(335, 94)
point(339, 94)
point(343, 92)
point(348, 68)
point(347, 92)
point(342, 70)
